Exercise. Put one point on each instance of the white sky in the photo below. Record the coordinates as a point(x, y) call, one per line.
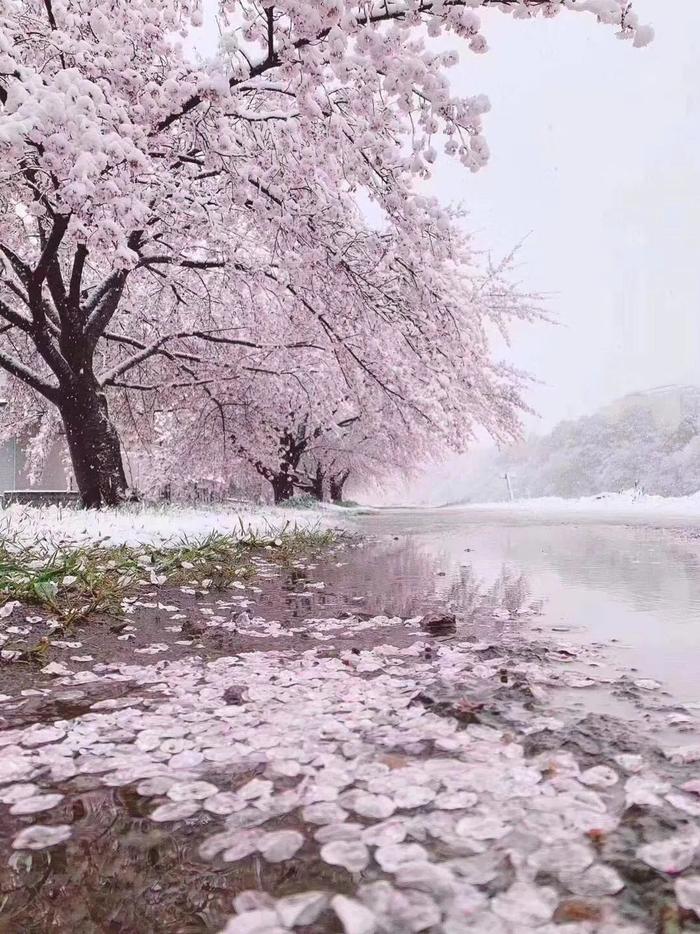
point(596, 161)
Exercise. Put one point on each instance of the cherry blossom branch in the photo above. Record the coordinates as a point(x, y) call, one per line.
point(385, 12)
point(157, 348)
point(163, 260)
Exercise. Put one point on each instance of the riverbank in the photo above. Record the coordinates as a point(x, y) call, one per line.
point(629, 506)
point(110, 583)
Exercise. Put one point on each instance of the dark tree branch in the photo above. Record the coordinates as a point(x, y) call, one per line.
point(270, 33)
point(157, 346)
point(50, 250)
point(16, 368)
point(49, 13)
point(52, 23)
point(22, 270)
point(103, 312)
point(101, 307)
point(15, 319)
point(99, 293)
point(147, 261)
point(76, 276)
point(3, 89)
point(13, 287)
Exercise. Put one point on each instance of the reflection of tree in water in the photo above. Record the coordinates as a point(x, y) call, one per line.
point(397, 578)
point(475, 601)
point(509, 592)
point(392, 578)
point(642, 568)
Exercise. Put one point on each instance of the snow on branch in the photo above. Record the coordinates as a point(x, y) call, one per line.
point(16, 368)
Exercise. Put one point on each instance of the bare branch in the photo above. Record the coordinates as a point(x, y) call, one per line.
point(48, 254)
point(16, 368)
point(19, 321)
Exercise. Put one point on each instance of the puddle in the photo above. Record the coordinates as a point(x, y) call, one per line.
point(634, 589)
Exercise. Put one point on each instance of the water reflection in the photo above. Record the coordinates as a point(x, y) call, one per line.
point(633, 586)
point(394, 578)
point(646, 567)
point(400, 577)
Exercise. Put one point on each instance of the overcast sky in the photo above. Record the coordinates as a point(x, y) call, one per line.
point(596, 161)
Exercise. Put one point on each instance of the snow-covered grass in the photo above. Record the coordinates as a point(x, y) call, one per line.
point(75, 562)
point(74, 581)
point(627, 506)
point(140, 524)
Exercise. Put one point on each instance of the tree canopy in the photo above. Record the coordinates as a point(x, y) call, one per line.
point(186, 236)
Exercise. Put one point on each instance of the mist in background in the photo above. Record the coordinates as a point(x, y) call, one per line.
point(603, 185)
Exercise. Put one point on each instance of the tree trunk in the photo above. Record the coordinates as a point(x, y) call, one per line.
point(316, 485)
point(337, 484)
point(282, 487)
point(94, 446)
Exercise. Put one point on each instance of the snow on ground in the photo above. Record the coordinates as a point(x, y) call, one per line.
point(628, 506)
point(141, 524)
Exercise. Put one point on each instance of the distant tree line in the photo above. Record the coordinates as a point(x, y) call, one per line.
point(595, 454)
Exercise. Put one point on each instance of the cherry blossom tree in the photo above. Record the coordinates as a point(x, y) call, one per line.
point(380, 399)
point(155, 208)
point(368, 452)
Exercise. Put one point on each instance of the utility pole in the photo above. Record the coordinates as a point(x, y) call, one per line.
point(506, 477)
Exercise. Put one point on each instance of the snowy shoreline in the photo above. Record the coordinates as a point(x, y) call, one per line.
point(604, 507)
point(140, 524)
point(145, 524)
